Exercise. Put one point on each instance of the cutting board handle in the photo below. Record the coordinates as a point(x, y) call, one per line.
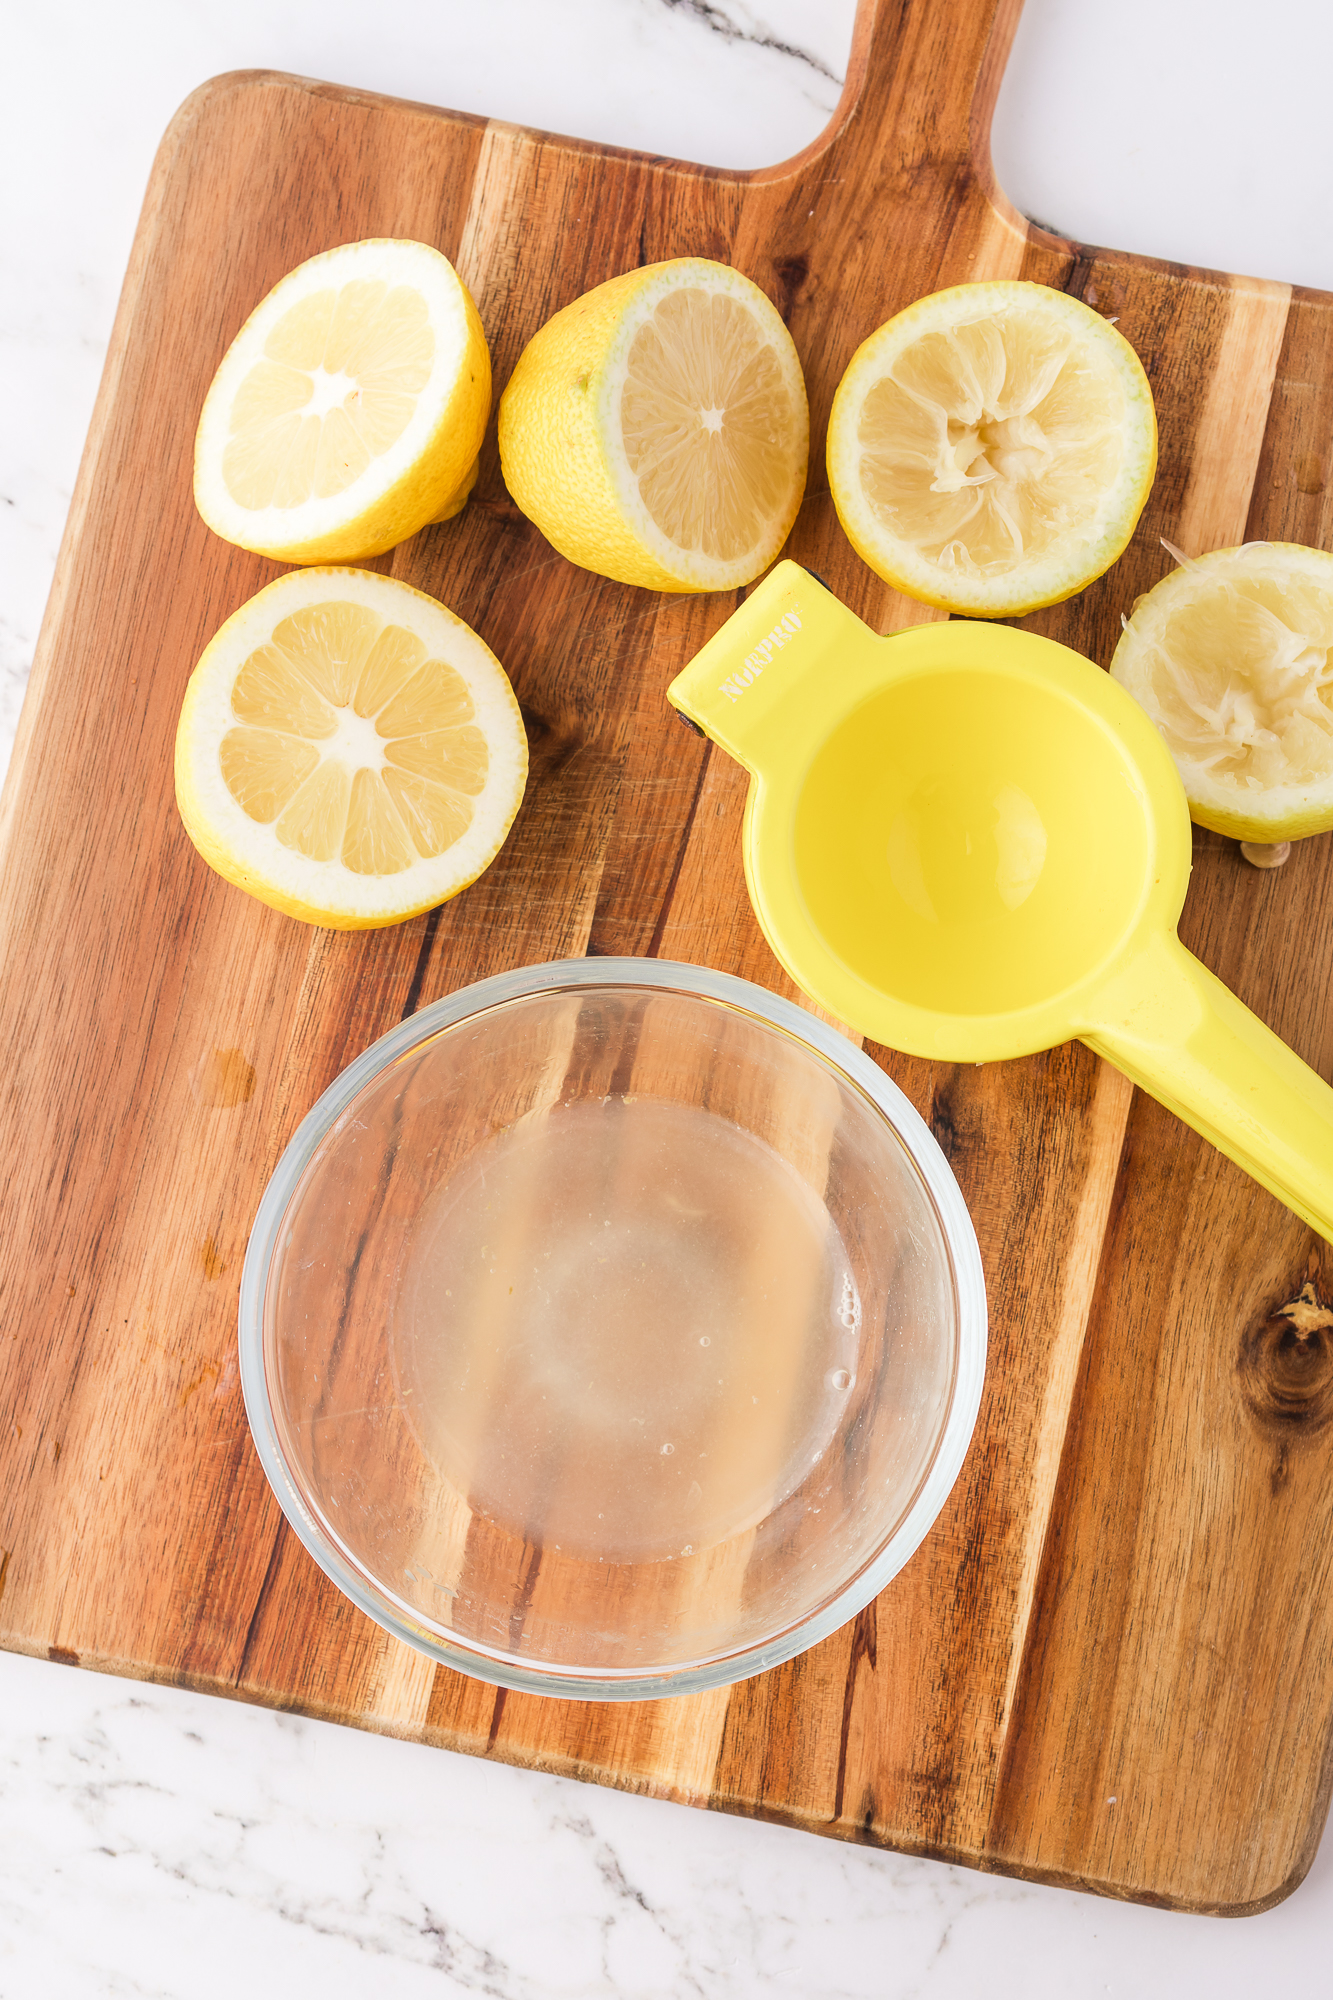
point(924, 75)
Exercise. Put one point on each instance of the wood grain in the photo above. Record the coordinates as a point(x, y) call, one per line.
point(1111, 1663)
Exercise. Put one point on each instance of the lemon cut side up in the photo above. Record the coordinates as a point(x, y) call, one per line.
point(1232, 657)
point(656, 430)
point(990, 449)
point(348, 750)
point(349, 410)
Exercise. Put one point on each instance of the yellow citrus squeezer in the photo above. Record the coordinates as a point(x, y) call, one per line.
point(968, 842)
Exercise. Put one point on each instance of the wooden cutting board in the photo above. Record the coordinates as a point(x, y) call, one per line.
point(1111, 1663)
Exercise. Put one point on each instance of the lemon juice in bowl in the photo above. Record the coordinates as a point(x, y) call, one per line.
point(612, 1329)
point(627, 1328)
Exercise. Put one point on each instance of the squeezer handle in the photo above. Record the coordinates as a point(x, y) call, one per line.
point(1184, 1037)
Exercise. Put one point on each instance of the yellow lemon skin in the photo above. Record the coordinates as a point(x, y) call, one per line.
point(555, 416)
point(460, 496)
point(1263, 832)
point(219, 835)
point(551, 454)
point(433, 487)
point(1000, 596)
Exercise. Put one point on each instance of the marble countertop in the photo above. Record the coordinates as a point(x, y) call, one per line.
point(159, 1843)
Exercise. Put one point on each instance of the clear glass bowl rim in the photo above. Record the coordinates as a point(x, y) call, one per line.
point(670, 976)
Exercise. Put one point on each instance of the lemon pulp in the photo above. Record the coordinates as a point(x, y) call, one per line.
point(708, 422)
point(351, 743)
point(335, 386)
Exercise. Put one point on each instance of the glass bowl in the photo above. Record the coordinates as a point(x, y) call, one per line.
point(612, 1329)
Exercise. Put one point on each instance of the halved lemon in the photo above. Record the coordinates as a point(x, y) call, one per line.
point(656, 430)
point(348, 750)
point(991, 448)
point(1232, 657)
point(350, 408)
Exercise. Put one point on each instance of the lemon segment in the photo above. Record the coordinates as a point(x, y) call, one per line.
point(656, 430)
point(348, 750)
point(349, 410)
point(990, 449)
point(1231, 657)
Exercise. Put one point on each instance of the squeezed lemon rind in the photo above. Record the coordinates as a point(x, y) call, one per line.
point(1029, 587)
point(1279, 812)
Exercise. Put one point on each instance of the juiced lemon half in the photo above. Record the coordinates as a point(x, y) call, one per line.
point(991, 448)
point(348, 750)
point(656, 430)
point(1232, 657)
point(349, 410)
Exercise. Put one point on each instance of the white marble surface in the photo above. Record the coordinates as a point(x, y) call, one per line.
point(169, 1845)
point(155, 1843)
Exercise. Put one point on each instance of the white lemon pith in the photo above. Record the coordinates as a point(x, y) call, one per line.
point(349, 410)
point(348, 750)
point(1232, 657)
point(991, 448)
point(656, 430)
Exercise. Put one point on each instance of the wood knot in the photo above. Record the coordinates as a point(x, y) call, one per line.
point(223, 1079)
point(792, 273)
point(1286, 1367)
